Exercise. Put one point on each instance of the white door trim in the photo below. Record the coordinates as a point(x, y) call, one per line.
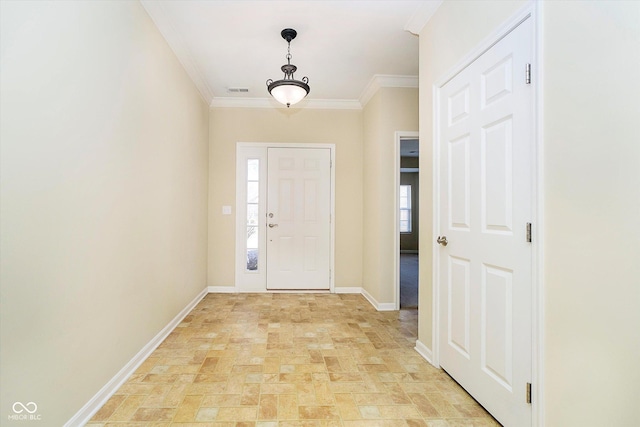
point(399, 136)
point(261, 278)
point(533, 11)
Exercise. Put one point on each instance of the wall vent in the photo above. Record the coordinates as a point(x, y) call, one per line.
point(238, 89)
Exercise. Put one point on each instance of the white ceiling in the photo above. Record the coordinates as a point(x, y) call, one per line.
point(341, 45)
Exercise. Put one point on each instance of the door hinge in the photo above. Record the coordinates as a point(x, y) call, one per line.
point(527, 74)
point(529, 232)
point(528, 392)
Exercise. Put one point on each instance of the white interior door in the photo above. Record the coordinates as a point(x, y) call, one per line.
point(298, 218)
point(485, 158)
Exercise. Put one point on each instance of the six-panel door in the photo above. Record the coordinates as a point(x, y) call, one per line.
point(298, 218)
point(485, 143)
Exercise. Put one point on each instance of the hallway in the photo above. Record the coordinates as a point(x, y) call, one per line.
point(268, 360)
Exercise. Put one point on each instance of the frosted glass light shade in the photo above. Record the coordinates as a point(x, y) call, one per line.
point(288, 92)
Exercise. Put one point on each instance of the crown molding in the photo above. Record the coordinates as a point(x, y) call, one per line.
point(377, 81)
point(420, 18)
point(159, 16)
point(318, 104)
point(383, 80)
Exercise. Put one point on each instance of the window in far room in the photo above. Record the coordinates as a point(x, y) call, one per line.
point(405, 208)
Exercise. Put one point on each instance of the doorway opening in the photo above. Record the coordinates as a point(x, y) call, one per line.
point(407, 223)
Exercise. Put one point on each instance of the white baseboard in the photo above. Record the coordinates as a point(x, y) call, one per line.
point(425, 352)
point(369, 298)
point(386, 306)
point(92, 406)
point(222, 289)
point(348, 290)
point(380, 306)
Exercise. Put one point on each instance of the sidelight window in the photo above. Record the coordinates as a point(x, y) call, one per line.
point(253, 192)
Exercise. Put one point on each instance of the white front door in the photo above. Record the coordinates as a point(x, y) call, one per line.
point(298, 218)
point(485, 175)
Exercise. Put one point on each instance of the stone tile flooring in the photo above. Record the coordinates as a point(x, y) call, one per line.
point(284, 360)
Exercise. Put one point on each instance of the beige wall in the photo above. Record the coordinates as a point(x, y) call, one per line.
point(343, 128)
point(372, 267)
point(103, 199)
point(591, 200)
point(591, 208)
point(390, 110)
point(409, 162)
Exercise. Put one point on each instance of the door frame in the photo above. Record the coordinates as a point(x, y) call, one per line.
point(533, 11)
point(245, 281)
point(399, 136)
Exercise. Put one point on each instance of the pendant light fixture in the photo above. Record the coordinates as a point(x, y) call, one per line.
point(288, 90)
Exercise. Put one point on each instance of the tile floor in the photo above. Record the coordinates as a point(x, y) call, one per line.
point(284, 360)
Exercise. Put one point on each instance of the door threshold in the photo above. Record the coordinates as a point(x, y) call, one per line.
point(299, 291)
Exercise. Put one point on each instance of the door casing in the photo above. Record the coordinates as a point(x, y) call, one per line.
point(533, 11)
point(246, 281)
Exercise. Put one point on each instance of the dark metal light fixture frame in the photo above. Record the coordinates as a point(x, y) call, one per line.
point(288, 69)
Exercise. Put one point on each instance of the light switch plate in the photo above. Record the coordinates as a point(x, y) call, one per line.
point(226, 210)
